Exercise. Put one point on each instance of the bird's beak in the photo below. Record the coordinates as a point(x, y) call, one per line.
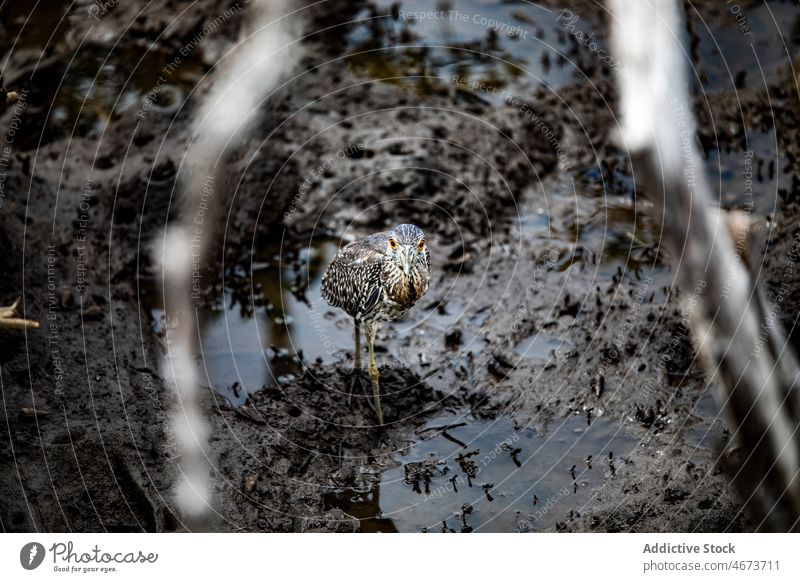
point(406, 257)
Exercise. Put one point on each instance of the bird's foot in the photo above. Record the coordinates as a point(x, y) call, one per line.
point(360, 383)
point(9, 319)
point(357, 381)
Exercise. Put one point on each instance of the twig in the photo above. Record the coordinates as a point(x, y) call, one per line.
point(9, 319)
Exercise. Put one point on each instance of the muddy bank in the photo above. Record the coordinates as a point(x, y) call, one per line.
point(546, 329)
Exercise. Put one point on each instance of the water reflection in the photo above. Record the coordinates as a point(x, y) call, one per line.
point(497, 43)
point(79, 86)
point(267, 324)
point(463, 474)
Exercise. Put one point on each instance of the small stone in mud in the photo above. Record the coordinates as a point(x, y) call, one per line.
point(399, 148)
point(278, 352)
point(93, 313)
point(33, 413)
point(496, 371)
point(67, 299)
point(646, 416)
point(452, 339)
point(598, 384)
point(503, 359)
point(249, 483)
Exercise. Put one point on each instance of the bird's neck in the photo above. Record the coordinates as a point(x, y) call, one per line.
point(405, 289)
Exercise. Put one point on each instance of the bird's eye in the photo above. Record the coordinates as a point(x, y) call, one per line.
point(392, 243)
point(421, 246)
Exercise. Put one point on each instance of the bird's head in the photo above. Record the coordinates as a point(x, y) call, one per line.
point(406, 245)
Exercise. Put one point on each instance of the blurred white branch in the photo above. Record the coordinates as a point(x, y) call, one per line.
point(756, 371)
point(241, 83)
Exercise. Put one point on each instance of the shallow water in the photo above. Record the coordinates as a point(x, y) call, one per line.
point(83, 85)
point(488, 476)
point(282, 322)
point(512, 47)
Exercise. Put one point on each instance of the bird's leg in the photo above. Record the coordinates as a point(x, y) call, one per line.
point(374, 375)
point(355, 375)
point(357, 353)
point(9, 319)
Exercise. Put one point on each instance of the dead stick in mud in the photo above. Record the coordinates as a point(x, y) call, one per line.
point(442, 427)
point(7, 98)
point(732, 321)
point(9, 319)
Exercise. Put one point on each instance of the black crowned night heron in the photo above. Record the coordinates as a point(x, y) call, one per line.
point(378, 278)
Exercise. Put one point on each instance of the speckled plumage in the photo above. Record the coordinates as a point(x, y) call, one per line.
point(378, 278)
point(366, 279)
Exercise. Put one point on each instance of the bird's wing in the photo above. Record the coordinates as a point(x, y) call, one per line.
point(364, 250)
point(374, 295)
point(353, 279)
